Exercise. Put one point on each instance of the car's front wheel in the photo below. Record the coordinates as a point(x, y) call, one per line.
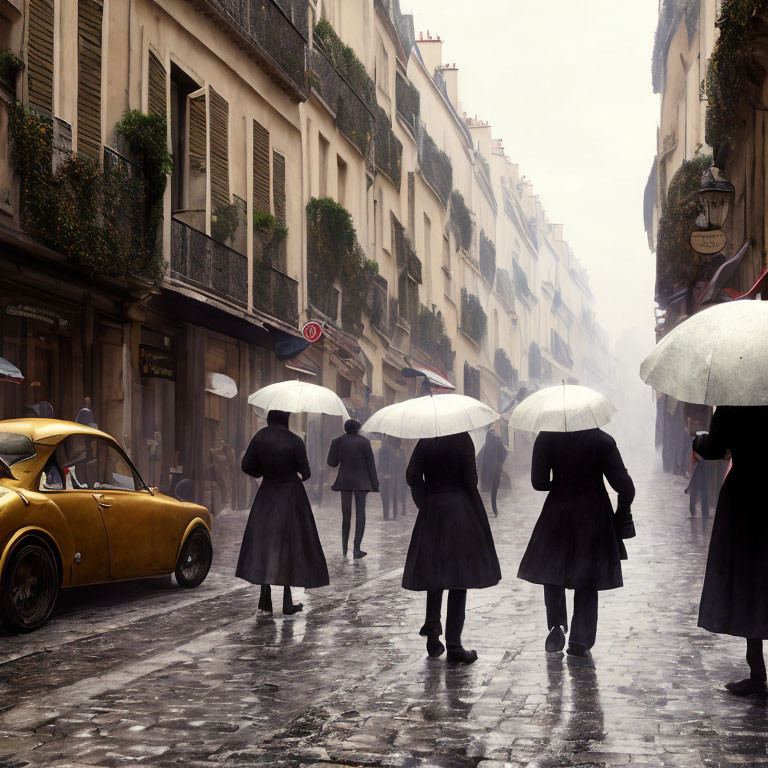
point(195, 558)
point(29, 586)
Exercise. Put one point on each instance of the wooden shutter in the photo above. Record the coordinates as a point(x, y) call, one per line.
point(260, 169)
point(157, 87)
point(278, 186)
point(219, 150)
point(89, 23)
point(197, 141)
point(40, 56)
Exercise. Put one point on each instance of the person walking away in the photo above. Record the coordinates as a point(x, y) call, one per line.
point(352, 453)
point(734, 599)
point(391, 467)
point(495, 454)
point(280, 544)
point(576, 542)
point(698, 486)
point(451, 545)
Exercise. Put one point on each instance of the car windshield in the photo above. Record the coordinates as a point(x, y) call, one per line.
point(15, 447)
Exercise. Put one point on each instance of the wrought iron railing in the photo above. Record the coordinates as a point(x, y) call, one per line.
point(325, 299)
point(204, 263)
point(378, 307)
point(275, 294)
point(267, 25)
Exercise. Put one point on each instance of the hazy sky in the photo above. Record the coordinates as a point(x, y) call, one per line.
point(567, 85)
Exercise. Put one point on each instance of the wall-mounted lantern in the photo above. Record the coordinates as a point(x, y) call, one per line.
point(716, 193)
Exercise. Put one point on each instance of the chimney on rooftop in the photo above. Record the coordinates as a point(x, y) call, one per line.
point(431, 50)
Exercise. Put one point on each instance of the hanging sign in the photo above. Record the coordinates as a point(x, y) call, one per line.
point(708, 241)
point(156, 363)
point(312, 331)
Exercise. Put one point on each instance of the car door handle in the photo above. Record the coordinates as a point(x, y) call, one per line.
point(102, 501)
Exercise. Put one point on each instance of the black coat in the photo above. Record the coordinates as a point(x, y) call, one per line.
point(734, 600)
point(575, 543)
point(280, 544)
point(391, 463)
point(451, 545)
point(358, 468)
point(490, 460)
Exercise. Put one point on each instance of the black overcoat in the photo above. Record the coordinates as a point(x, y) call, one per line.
point(451, 545)
point(280, 545)
point(490, 460)
point(354, 457)
point(734, 600)
point(575, 543)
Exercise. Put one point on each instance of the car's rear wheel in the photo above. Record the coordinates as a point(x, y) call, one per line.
point(195, 558)
point(29, 587)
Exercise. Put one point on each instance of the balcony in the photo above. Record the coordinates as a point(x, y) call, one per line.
point(265, 30)
point(275, 294)
point(203, 263)
point(325, 299)
point(378, 308)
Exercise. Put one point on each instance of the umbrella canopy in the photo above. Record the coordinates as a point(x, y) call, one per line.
point(431, 416)
point(565, 408)
point(298, 397)
point(9, 372)
point(718, 356)
point(221, 385)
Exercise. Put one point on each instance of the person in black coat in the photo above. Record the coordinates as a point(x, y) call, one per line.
point(576, 541)
point(451, 545)
point(280, 544)
point(491, 460)
point(734, 599)
point(391, 466)
point(352, 453)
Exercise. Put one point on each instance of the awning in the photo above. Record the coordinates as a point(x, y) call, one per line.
point(720, 279)
point(9, 372)
point(435, 379)
point(220, 384)
point(759, 288)
point(304, 365)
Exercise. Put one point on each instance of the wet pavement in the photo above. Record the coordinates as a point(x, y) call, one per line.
point(152, 674)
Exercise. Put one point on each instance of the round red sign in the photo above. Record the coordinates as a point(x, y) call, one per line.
point(312, 331)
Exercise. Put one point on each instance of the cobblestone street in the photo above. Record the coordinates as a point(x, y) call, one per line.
point(150, 673)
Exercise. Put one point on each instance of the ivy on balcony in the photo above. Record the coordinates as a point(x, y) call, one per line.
point(728, 68)
point(429, 334)
point(677, 264)
point(10, 66)
point(471, 381)
point(435, 166)
point(487, 258)
point(503, 366)
point(334, 255)
point(346, 62)
point(388, 149)
point(522, 289)
point(461, 220)
point(474, 321)
point(408, 102)
point(104, 221)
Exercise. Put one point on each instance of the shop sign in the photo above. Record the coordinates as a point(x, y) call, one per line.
point(312, 331)
point(156, 363)
point(45, 316)
point(708, 241)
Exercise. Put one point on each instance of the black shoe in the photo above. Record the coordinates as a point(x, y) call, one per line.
point(358, 554)
point(748, 687)
point(579, 653)
point(459, 655)
point(289, 610)
point(434, 647)
point(555, 641)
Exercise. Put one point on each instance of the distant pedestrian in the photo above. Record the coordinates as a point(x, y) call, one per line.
point(451, 545)
point(352, 453)
point(391, 468)
point(280, 545)
point(491, 461)
point(576, 543)
point(698, 486)
point(734, 599)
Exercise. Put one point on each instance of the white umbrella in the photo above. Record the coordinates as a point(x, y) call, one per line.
point(221, 385)
point(431, 416)
point(719, 356)
point(565, 408)
point(298, 397)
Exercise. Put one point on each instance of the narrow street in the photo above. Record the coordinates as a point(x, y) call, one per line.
point(150, 673)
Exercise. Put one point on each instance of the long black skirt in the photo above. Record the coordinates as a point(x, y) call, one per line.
point(280, 544)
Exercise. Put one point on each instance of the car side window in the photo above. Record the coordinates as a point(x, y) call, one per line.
point(114, 472)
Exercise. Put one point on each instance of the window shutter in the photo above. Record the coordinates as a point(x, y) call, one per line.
point(157, 87)
point(89, 23)
point(260, 168)
point(278, 186)
point(219, 150)
point(197, 112)
point(40, 56)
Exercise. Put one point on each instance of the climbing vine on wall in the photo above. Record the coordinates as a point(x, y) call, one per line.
point(487, 258)
point(503, 366)
point(474, 321)
point(461, 220)
point(677, 264)
point(471, 381)
point(430, 335)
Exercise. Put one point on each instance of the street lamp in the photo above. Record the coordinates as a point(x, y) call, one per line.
point(716, 193)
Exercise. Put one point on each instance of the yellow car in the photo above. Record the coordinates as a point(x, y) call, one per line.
point(74, 511)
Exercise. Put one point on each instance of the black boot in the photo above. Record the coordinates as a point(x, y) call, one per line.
point(748, 687)
point(459, 655)
point(289, 607)
point(265, 598)
point(555, 641)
